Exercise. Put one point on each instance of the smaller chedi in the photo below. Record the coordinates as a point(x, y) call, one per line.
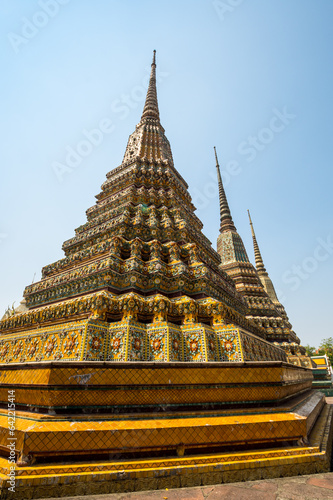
point(145, 358)
point(254, 283)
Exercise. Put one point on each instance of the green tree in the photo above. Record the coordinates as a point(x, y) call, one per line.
point(326, 347)
point(310, 351)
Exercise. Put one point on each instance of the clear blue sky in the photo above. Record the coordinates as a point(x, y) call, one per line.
point(252, 77)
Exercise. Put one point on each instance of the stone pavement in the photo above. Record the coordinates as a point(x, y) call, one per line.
point(314, 487)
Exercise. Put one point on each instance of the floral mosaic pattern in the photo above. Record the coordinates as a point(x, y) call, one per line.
point(50, 346)
point(212, 345)
point(33, 347)
point(137, 344)
point(229, 345)
point(53, 343)
point(4, 350)
point(130, 340)
point(193, 346)
point(71, 344)
point(118, 340)
point(17, 351)
point(157, 342)
point(175, 345)
point(95, 341)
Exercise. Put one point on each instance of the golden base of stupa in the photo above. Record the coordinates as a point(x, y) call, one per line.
point(165, 429)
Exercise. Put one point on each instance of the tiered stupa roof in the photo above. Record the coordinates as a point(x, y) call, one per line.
point(142, 234)
point(141, 254)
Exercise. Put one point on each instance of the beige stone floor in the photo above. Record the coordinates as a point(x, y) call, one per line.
point(312, 487)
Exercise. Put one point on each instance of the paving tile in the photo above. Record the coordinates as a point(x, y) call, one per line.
point(246, 492)
point(302, 491)
point(322, 482)
point(267, 486)
point(174, 494)
point(314, 487)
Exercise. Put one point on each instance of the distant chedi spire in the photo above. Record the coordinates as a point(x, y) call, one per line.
point(263, 274)
point(253, 283)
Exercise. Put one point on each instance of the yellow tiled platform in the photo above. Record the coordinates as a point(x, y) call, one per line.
point(86, 427)
point(42, 481)
point(142, 384)
point(36, 438)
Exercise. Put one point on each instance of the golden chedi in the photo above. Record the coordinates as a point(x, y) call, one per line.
point(140, 360)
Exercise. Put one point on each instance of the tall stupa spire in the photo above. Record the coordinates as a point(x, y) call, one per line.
point(150, 109)
point(148, 142)
point(227, 223)
point(257, 255)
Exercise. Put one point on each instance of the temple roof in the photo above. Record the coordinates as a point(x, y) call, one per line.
point(11, 311)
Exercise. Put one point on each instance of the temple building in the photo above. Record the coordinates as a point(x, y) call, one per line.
point(145, 359)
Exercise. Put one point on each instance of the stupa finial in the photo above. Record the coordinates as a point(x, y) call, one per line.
point(225, 214)
point(257, 255)
point(217, 161)
point(150, 109)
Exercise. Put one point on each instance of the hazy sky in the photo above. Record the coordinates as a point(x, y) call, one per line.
point(253, 78)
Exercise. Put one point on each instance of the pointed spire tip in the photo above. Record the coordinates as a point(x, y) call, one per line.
point(248, 211)
point(150, 109)
point(225, 214)
point(217, 161)
point(257, 255)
